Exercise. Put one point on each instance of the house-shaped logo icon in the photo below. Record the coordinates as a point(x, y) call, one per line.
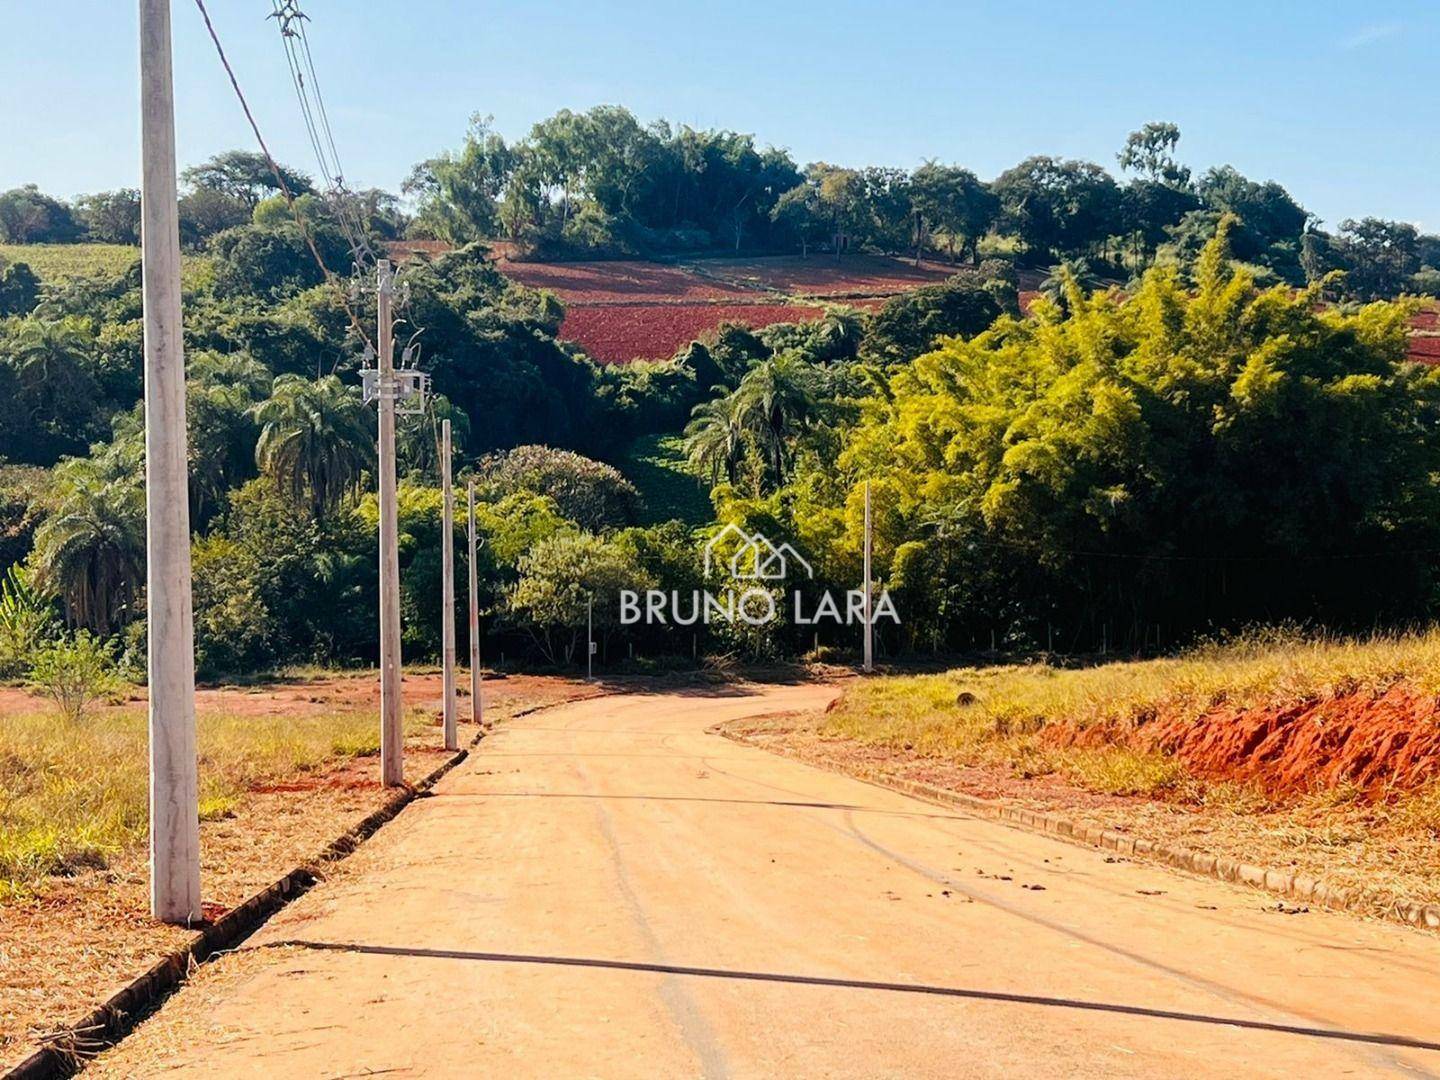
point(756, 557)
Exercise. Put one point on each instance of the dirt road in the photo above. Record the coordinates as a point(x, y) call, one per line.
point(606, 889)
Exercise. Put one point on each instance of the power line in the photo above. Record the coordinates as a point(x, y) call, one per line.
point(296, 41)
point(330, 277)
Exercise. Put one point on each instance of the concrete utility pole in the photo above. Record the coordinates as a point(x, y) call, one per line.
point(447, 580)
point(392, 730)
point(869, 621)
point(477, 707)
point(174, 785)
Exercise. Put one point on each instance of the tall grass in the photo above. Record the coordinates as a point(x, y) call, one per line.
point(993, 715)
point(73, 794)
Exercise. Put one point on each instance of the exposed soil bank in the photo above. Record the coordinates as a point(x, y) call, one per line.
point(1377, 745)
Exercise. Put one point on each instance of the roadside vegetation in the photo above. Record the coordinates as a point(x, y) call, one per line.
point(1089, 725)
point(73, 792)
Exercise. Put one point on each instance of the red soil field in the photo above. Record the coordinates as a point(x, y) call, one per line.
point(620, 281)
point(1425, 350)
point(616, 335)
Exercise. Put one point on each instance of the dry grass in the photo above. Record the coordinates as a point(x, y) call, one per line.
point(74, 795)
point(993, 716)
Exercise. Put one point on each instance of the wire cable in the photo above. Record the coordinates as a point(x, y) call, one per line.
point(331, 277)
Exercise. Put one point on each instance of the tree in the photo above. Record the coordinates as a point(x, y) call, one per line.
point(111, 217)
point(53, 360)
point(29, 216)
point(776, 398)
point(1058, 207)
point(800, 212)
point(715, 440)
point(594, 495)
point(316, 439)
point(1379, 257)
point(1161, 456)
point(953, 201)
point(459, 193)
point(206, 211)
point(1269, 221)
point(558, 580)
point(91, 549)
point(245, 175)
point(910, 324)
point(1151, 152)
point(842, 195)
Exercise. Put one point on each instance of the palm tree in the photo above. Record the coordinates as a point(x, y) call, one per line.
point(714, 440)
point(52, 359)
point(221, 393)
point(315, 440)
point(775, 399)
point(1065, 276)
point(91, 550)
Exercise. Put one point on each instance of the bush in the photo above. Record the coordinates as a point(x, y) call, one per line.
point(27, 615)
point(74, 672)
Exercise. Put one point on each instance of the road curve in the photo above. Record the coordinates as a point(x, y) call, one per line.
point(607, 889)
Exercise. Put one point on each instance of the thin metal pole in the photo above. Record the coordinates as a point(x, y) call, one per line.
point(447, 599)
point(869, 622)
point(174, 784)
point(392, 730)
point(590, 638)
point(477, 706)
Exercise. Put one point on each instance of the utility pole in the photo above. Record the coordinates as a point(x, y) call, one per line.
point(392, 730)
point(447, 578)
point(174, 785)
point(477, 707)
point(590, 639)
point(869, 622)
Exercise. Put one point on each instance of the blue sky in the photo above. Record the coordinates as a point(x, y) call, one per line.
point(1335, 100)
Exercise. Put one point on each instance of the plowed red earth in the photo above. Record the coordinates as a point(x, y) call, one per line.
point(616, 335)
point(1378, 744)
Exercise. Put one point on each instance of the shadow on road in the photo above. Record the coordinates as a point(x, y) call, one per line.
point(999, 996)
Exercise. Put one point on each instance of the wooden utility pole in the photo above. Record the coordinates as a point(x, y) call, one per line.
point(174, 785)
point(447, 585)
point(477, 707)
point(869, 619)
point(392, 729)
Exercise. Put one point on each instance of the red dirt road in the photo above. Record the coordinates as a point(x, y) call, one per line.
point(608, 889)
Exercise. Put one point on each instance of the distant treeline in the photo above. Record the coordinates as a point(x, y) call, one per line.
point(600, 183)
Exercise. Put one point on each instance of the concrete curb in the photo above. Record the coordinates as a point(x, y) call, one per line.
point(64, 1052)
point(1280, 882)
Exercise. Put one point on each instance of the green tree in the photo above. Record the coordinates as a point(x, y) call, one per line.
point(111, 217)
point(1151, 153)
point(1059, 207)
point(244, 175)
point(91, 548)
point(29, 216)
point(558, 580)
point(316, 439)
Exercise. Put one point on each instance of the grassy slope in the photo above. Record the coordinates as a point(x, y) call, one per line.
point(656, 465)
